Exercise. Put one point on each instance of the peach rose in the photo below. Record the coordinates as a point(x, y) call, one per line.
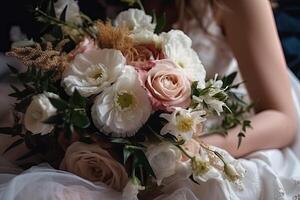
point(168, 86)
point(93, 163)
point(145, 55)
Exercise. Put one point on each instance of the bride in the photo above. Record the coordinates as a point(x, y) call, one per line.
point(226, 34)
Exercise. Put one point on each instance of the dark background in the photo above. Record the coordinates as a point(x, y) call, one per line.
point(17, 12)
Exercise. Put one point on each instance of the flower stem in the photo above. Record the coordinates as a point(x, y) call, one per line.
point(183, 151)
point(215, 152)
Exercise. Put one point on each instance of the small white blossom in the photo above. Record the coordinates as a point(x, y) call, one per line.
point(209, 99)
point(182, 123)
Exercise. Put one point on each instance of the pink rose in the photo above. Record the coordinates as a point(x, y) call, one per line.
point(93, 163)
point(168, 87)
point(85, 45)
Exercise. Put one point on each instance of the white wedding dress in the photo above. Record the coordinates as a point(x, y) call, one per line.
point(270, 174)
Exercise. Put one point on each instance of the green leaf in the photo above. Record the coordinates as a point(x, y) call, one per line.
point(63, 14)
point(80, 119)
point(14, 144)
point(126, 154)
point(55, 119)
point(140, 159)
point(241, 135)
point(228, 80)
point(50, 8)
point(160, 24)
point(59, 103)
point(120, 141)
point(77, 101)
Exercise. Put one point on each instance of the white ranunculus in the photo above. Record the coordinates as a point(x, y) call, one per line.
point(178, 47)
point(121, 109)
point(132, 189)
point(182, 123)
point(164, 159)
point(136, 20)
point(92, 71)
point(72, 13)
point(37, 112)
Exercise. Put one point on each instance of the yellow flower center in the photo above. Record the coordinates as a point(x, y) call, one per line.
point(199, 167)
point(125, 100)
point(184, 123)
point(96, 74)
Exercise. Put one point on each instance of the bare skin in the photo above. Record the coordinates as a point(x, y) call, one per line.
point(251, 32)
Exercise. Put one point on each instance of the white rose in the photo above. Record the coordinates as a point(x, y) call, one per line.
point(136, 20)
point(163, 159)
point(72, 13)
point(123, 108)
point(178, 47)
point(92, 71)
point(37, 112)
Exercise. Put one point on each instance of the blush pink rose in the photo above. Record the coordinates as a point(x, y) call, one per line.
point(93, 163)
point(167, 86)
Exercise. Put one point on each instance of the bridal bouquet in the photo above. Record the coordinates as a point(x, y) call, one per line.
point(121, 102)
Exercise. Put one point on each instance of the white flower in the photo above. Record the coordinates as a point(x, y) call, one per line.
point(92, 71)
point(136, 20)
point(72, 13)
point(121, 109)
point(146, 37)
point(132, 189)
point(177, 47)
point(163, 159)
point(37, 112)
point(182, 123)
point(209, 99)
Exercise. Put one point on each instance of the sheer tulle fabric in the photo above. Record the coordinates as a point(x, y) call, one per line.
point(45, 183)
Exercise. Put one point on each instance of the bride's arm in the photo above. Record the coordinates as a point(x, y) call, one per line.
point(250, 29)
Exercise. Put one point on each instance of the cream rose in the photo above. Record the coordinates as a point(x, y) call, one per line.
point(93, 163)
point(168, 86)
point(37, 112)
